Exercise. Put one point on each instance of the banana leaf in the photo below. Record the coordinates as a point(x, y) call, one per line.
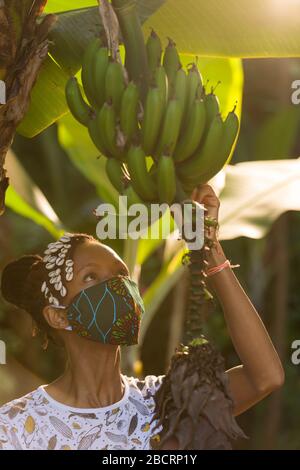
point(75, 140)
point(230, 28)
point(70, 36)
point(56, 6)
point(48, 102)
point(219, 28)
point(278, 134)
point(15, 202)
point(27, 200)
point(250, 202)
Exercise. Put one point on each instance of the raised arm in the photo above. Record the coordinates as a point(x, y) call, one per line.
point(261, 370)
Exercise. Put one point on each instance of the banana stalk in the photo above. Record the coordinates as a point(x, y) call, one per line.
point(136, 61)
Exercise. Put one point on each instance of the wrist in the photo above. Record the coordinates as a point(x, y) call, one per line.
point(215, 256)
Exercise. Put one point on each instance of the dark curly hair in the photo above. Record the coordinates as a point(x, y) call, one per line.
point(21, 282)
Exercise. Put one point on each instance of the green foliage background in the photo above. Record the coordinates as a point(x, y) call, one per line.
point(57, 181)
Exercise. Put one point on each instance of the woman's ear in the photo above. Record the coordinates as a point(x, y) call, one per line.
point(56, 318)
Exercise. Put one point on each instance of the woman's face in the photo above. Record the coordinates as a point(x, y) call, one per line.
point(93, 263)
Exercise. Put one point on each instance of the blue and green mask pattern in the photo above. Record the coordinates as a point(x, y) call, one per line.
point(109, 312)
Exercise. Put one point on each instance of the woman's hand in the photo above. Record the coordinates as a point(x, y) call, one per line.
point(204, 194)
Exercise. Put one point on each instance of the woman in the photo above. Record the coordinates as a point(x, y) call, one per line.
point(93, 405)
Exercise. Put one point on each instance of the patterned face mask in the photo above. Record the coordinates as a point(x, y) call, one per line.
point(109, 312)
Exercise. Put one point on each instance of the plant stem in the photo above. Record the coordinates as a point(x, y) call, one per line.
point(130, 257)
point(136, 55)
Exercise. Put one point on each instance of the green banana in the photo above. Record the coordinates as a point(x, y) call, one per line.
point(230, 132)
point(161, 81)
point(153, 115)
point(171, 129)
point(181, 194)
point(97, 137)
point(139, 175)
point(87, 70)
point(180, 88)
point(154, 52)
point(212, 106)
point(129, 110)
point(114, 84)
point(100, 65)
point(166, 179)
point(231, 129)
point(115, 173)
point(171, 61)
point(190, 140)
point(78, 107)
point(191, 170)
point(194, 84)
point(106, 122)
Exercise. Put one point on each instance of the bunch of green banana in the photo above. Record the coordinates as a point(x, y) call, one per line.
point(158, 138)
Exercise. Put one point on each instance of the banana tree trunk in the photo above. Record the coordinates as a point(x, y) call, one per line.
point(23, 48)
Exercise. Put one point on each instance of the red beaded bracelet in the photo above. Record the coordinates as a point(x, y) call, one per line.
point(217, 269)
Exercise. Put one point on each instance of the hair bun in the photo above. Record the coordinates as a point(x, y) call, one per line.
point(14, 277)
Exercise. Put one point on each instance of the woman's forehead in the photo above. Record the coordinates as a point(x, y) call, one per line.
point(93, 251)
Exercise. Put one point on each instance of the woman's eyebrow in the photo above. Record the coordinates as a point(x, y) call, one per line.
point(117, 262)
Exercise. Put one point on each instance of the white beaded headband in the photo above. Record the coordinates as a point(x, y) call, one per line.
point(57, 261)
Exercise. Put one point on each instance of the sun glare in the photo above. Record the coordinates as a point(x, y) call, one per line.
point(286, 8)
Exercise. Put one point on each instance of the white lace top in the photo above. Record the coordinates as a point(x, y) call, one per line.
point(38, 422)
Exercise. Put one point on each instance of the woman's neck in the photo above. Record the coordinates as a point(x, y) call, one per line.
point(92, 378)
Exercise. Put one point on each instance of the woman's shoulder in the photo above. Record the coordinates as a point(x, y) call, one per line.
point(19, 407)
point(15, 414)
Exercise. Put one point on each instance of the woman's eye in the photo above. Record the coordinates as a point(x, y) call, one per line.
point(90, 277)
